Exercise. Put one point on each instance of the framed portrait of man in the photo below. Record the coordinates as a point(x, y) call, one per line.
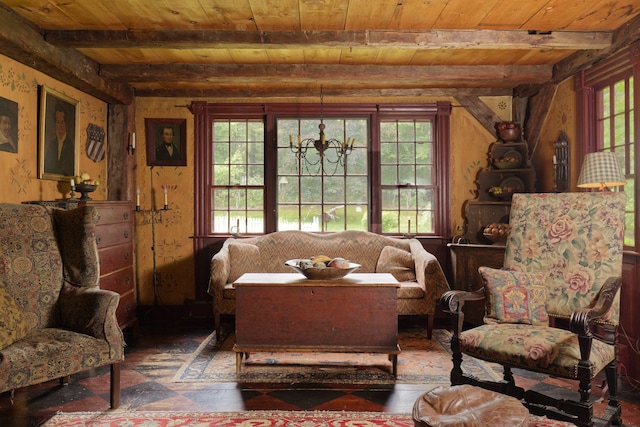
point(58, 139)
point(8, 125)
point(166, 142)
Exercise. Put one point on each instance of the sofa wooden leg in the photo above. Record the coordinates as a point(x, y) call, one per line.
point(65, 380)
point(216, 320)
point(430, 318)
point(115, 385)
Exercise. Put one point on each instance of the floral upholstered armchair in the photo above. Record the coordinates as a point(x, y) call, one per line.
point(554, 306)
point(54, 319)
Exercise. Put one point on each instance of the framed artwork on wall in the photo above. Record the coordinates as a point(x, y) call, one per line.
point(58, 136)
point(166, 142)
point(8, 125)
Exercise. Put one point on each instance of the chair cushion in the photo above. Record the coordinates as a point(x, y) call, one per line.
point(468, 406)
point(398, 262)
point(13, 325)
point(514, 296)
point(538, 348)
point(245, 258)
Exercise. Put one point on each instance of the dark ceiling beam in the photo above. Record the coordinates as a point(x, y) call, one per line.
point(480, 111)
point(313, 92)
point(418, 76)
point(236, 39)
point(25, 44)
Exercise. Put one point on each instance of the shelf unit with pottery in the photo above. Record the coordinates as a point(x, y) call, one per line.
point(491, 206)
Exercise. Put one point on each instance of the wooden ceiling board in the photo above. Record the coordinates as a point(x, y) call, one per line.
point(323, 15)
point(45, 14)
point(609, 14)
point(592, 15)
point(353, 56)
point(270, 15)
point(249, 56)
point(370, 15)
point(228, 15)
point(285, 56)
point(394, 56)
point(509, 14)
point(416, 14)
point(322, 56)
point(459, 14)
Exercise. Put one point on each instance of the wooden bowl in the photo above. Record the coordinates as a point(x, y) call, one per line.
point(496, 238)
point(509, 135)
point(328, 273)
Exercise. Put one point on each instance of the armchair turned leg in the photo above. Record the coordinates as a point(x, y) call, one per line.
point(115, 385)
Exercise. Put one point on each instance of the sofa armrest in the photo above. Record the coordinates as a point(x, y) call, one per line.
point(92, 311)
point(582, 320)
point(429, 273)
point(219, 271)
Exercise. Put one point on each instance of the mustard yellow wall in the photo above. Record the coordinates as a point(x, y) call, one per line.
point(173, 243)
point(561, 117)
point(19, 84)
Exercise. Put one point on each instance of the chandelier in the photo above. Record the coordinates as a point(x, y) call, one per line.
point(314, 161)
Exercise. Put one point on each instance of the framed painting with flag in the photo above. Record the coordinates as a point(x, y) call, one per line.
point(95, 142)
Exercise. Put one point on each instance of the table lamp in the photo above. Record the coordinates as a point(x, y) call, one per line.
point(600, 170)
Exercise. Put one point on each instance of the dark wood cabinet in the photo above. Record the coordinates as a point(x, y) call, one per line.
point(487, 207)
point(465, 260)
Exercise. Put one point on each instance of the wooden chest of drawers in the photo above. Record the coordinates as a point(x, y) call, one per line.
point(114, 234)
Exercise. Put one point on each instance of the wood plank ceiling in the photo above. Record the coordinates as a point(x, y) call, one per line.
point(273, 49)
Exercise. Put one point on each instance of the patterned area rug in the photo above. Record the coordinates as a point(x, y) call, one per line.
point(421, 361)
point(246, 419)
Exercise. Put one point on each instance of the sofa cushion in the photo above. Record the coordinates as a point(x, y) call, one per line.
point(13, 325)
point(244, 258)
point(398, 262)
point(514, 296)
point(410, 290)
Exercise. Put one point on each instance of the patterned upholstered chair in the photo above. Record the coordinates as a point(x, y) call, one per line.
point(54, 319)
point(553, 308)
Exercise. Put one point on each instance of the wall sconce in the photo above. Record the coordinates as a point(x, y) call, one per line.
point(600, 170)
point(131, 145)
point(321, 145)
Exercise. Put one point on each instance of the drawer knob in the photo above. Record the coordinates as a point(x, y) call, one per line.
point(127, 280)
point(126, 255)
point(98, 239)
point(125, 216)
point(127, 308)
point(126, 234)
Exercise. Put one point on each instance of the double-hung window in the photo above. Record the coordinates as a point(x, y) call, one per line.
point(252, 176)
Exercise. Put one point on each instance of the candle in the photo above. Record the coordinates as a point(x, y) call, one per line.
point(164, 189)
point(133, 141)
point(554, 159)
point(409, 224)
point(290, 141)
point(73, 184)
point(138, 198)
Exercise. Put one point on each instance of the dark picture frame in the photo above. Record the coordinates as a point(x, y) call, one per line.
point(164, 131)
point(58, 124)
point(8, 125)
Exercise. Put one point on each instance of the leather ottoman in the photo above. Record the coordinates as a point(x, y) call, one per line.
point(468, 406)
